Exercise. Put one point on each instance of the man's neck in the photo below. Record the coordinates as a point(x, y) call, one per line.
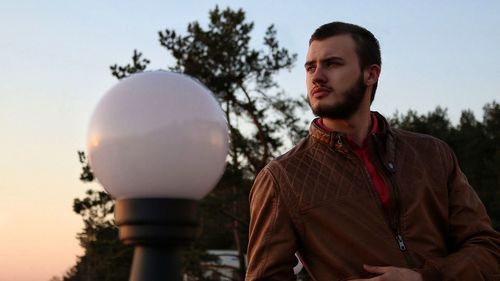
point(356, 128)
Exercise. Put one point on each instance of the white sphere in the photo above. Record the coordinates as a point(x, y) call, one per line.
point(158, 134)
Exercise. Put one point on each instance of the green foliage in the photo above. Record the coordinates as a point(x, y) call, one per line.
point(95, 209)
point(87, 175)
point(99, 238)
point(137, 65)
point(105, 258)
point(241, 78)
point(434, 123)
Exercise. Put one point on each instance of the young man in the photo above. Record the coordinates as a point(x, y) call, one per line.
point(358, 200)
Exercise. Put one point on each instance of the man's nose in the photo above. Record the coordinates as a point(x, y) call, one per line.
point(319, 77)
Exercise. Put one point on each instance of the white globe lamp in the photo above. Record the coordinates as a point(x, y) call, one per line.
point(157, 142)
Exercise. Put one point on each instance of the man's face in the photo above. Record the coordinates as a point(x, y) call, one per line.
point(335, 84)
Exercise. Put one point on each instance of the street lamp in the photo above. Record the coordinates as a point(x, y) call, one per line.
point(157, 142)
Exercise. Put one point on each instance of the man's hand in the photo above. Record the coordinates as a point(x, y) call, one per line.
point(391, 273)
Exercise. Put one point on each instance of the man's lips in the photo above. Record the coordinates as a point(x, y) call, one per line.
point(320, 91)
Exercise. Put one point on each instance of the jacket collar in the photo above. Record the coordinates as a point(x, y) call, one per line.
point(383, 140)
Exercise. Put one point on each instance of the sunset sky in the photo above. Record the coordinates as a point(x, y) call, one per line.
point(54, 67)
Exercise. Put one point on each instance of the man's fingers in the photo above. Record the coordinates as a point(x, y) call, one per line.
point(377, 269)
point(392, 273)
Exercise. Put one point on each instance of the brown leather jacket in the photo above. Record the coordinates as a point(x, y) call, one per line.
point(317, 200)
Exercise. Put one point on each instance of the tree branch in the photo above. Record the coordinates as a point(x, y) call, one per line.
point(260, 131)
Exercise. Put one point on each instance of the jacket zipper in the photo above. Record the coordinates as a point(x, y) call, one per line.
point(401, 242)
point(393, 220)
point(396, 229)
point(396, 208)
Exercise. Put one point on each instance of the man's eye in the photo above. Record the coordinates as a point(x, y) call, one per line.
point(310, 69)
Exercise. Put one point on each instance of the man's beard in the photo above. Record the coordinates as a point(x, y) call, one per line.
point(346, 108)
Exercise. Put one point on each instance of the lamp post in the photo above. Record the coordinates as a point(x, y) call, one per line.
point(157, 142)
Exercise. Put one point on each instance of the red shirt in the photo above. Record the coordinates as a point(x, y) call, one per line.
point(362, 151)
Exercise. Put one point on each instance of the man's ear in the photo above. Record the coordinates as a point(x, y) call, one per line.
point(371, 74)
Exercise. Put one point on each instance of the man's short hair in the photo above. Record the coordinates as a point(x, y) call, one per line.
point(367, 46)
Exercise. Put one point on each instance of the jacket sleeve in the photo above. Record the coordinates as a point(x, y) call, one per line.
point(473, 243)
point(272, 240)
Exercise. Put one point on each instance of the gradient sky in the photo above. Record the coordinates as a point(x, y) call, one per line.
point(54, 67)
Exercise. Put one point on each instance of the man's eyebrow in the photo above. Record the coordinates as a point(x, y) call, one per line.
point(331, 58)
point(309, 63)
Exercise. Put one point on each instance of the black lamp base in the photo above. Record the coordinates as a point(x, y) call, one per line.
point(158, 228)
point(156, 263)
